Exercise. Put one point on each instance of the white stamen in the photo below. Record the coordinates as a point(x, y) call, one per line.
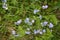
point(41, 33)
point(33, 21)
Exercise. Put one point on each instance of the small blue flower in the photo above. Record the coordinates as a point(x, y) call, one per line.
point(35, 11)
point(27, 32)
point(36, 31)
point(5, 6)
point(18, 22)
point(44, 23)
point(4, 1)
point(26, 20)
point(50, 25)
point(45, 6)
point(43, 30)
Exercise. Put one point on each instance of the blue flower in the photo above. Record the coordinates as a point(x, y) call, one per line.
point(35, 11)
point(4, 1)
point(45, 6)
point(43, 30)
point(36, 31)
point(27, 32)
point(50, 25)
point(44, 23)
point(18, 22)
point(26, 20)
point(4, 6)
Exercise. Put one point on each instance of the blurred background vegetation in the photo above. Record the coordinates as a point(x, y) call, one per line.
point(20, 9)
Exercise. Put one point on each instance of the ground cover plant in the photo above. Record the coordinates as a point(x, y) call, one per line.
point(29, 19)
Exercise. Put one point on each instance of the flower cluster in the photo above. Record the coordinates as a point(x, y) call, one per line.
point(30, 22)
point(36, 31)
point(50, 25)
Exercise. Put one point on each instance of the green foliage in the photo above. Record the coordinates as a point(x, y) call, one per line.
point(21, 31)
point(21, 9)
point(51, 18)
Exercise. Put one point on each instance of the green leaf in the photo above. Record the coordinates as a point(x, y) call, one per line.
point(38, 23)
point(58, 4)
point(21, 31)
point(53, 19)
point(37, 38)
point(48, 35)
